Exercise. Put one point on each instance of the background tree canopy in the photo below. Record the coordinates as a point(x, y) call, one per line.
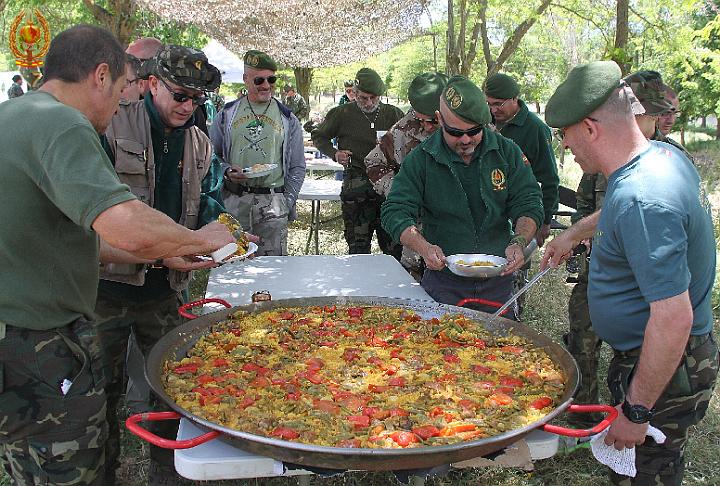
point(537, 41)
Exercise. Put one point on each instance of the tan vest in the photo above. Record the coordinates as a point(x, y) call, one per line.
point(130, 140)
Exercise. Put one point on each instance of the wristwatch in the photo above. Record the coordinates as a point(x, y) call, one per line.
point(637, 414)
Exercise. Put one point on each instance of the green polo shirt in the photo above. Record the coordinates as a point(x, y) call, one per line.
point(534, 138)
point(56, 180)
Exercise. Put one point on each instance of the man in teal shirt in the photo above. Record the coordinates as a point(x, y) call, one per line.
point(651, 272)
point(470, 185)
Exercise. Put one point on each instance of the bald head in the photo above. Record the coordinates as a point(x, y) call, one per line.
point(144, 48)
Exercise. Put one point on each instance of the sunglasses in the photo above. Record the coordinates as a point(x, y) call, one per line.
point(457, 133)
point(258, 80)
point(197, 100)
point(430, 121)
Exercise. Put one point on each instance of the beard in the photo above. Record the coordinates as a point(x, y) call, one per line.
point(369, 109)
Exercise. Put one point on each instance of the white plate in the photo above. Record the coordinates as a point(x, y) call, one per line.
point(466, 269)
point(252, 248)
point(250, 174)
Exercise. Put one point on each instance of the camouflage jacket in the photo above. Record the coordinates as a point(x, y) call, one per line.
point(15, 91)
point(590, 195)
point(662, 138)
point(298, 106)
point(383, 162)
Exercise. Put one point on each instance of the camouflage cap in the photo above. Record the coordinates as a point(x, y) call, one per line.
point(369, 81)
point(585, 89)
point(259, 60)
point(501, 86)
point(186, 67)
point(424, 92)
point(288, 87)
point(466, 100)
point(650, 91)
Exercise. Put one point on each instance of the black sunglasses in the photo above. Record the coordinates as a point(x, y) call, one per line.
point(182, 97)
point(258, 80)
point(454, 132)
point(431, 121)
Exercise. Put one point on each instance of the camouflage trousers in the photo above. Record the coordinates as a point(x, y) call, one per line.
point(582, 342)
point(361, 215)
point(682, 404)
point(149, 321)
point(264, 215)
point(52, 406)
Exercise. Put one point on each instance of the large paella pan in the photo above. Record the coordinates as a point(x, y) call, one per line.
point(173, 347)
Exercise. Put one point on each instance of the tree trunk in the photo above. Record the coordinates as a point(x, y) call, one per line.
point(682, 136)
point(537, 107)
point(717, 128)
point(619, 53)
point(303, 80)
point(703, 121)
point(118, 18)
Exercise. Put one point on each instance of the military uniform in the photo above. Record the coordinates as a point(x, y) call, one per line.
point(356, 131)
point(175, 175)
point(582, 342)
point(53, 427)
point(15, 91)
point(298, 106)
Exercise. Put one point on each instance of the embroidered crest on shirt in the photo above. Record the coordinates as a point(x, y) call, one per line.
point(497, 177)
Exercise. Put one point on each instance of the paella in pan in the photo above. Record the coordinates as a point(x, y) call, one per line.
point(363, 377)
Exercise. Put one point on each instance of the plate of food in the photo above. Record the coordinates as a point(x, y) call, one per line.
point(245, 247)
point(476, 265)
point(258, 170)
point(479, 265)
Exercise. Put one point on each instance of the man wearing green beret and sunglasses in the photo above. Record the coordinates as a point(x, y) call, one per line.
point(470, 186)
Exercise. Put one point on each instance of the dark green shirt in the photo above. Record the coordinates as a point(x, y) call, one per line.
point(168, 152)
point(352, 129)
point(464, 209)
point(534, 138)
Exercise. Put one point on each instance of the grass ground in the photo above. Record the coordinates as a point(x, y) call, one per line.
point(546, 311)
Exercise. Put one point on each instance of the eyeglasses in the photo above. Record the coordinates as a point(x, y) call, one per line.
point(258, 80)
point(457, 133)
point(197, 100)
point(497, 106)
point(561, 131)
point(131, 81)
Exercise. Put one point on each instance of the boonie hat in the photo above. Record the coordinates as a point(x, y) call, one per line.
point(186, 67)
point(650, 91)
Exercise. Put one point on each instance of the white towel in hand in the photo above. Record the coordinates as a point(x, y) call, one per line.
point(622, 462)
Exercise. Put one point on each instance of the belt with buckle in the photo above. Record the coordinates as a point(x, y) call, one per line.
point(240, 189)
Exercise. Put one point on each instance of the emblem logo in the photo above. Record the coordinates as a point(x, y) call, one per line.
point(252, 60)
point(525, 160)
point(29, 42)
point(453, 98)
point(497, 178)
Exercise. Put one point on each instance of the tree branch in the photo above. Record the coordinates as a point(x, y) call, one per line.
point(585, 18)
point(660, 27)
point(513, 42)
point(484, 33)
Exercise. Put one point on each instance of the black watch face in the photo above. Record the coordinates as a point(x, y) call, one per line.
point(636, 413)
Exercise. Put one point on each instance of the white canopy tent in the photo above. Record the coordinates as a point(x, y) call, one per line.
point(230, 65)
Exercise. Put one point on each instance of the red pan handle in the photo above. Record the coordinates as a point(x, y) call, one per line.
point(489, 303)
point(612, 415)
point(132, 424)
point(183, 309)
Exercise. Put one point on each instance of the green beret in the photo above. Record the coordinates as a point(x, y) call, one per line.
point(424, 92)
point(186, 67)
point(369, 81)
point(466, 100)
point(501, 86)
point(586, 88)
point(650, 91)
point(259, 60)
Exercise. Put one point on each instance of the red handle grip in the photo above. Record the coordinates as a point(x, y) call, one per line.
point(612, 415)
point(489, 303)
point(132, 424)
point(183, 309)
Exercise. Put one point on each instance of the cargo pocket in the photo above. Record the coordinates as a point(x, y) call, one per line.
point(131, 165)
